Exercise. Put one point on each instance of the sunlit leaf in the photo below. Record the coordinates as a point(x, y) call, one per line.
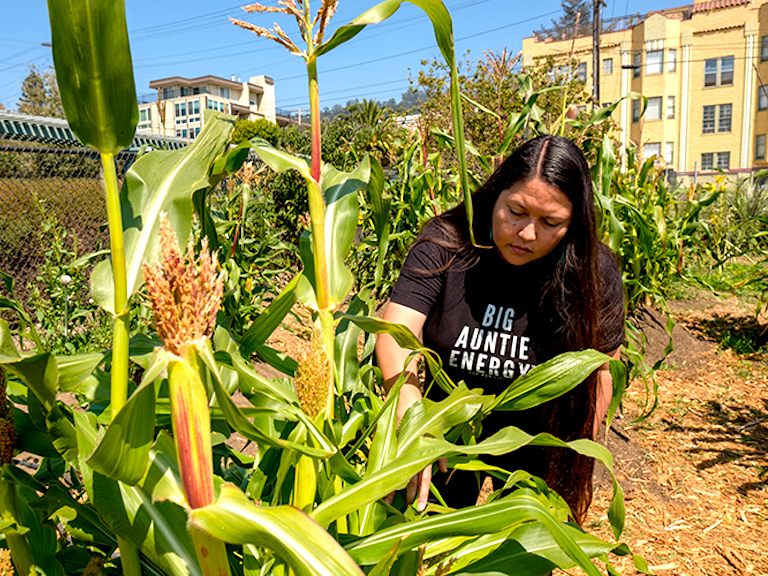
point(549, 380)
point(161, 181)
point(295, 537)
point(94, 71)
point(137, 513)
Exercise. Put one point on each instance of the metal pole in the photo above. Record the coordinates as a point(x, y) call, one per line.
point(596, 26)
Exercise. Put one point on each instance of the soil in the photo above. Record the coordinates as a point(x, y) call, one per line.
point(695, 472)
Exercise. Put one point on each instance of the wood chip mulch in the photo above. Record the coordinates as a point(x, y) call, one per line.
point(695, 472)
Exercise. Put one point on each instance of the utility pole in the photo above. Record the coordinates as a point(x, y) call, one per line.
point(596, 29)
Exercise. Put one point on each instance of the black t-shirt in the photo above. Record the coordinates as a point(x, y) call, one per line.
point(478, 316)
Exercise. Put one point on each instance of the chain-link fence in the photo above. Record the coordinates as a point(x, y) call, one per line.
point(51, 199)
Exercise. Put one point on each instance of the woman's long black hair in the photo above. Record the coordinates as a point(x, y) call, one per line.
point(567, 318)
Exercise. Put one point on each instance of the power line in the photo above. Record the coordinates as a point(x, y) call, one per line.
point(26, 50)
point(431, 46)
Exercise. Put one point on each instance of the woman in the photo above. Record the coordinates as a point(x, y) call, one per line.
point(545, 286)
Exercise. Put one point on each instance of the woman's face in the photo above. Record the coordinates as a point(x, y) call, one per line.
point(530, 218)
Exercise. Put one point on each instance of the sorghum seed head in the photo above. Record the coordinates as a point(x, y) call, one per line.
point(184, 292)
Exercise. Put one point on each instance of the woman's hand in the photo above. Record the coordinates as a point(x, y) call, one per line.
point(418, 487)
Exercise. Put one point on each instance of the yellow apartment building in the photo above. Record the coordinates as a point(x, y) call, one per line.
point(183, 100)
point(703, 68)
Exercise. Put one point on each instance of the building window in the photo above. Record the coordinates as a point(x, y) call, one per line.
point(224, 92)
point(670, 107)
point(651, 149)
point(581, 71)
point(654, 62)
point(669, 153)
point(635, 111)
point(653, 112)
point(145, 115)
point(672, 60)
point(181, 112)
point(717, 118)
point(636, 63)
point(762, 98)
point(607, 66)
point(760, 147)
point(194, 107)
point(167, 93)
point(763, 48)
point(183, 91)
point(708, 161)
point(708, 123)
point(723, 160)
point(724, 118)
point(718, 72)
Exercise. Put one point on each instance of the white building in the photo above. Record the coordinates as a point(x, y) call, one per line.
point(182, 101)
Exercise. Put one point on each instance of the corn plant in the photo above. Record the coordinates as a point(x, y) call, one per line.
point(146, 476)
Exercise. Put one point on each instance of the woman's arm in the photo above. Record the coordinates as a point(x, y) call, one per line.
point(604, 391)
point(391, 359)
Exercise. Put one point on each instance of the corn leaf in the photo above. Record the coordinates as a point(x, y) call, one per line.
point(269, 320)
point(94, 71)
point(339, 189)
point(529, 550)
point(157, 526)
point(549, 380)
point(486, 519)
point(428, 418)
point(347, 372)
point(161, 181)
point(289, 533)
point(380, 211)
point(383, 451)
point(123, 452)
point(279, 160)
point(240, 423)
point(74, 369)
point(405, 338)
point(426, 450)
point(40, 373)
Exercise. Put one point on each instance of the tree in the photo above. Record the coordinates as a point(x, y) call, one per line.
point(263, 128)
point(497, 84)
point(40, 94)
point(566, 26)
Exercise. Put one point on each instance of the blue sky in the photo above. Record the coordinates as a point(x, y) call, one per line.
point(195, 38)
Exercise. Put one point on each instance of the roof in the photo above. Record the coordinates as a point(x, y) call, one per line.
point(176, 80)
point(717, 4)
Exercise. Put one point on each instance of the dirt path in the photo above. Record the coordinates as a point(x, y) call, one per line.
point(696, 472)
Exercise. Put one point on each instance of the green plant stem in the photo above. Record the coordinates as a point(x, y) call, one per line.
point(129, 557)
point(458, 138)
point(119, 383)
point(317, 218)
